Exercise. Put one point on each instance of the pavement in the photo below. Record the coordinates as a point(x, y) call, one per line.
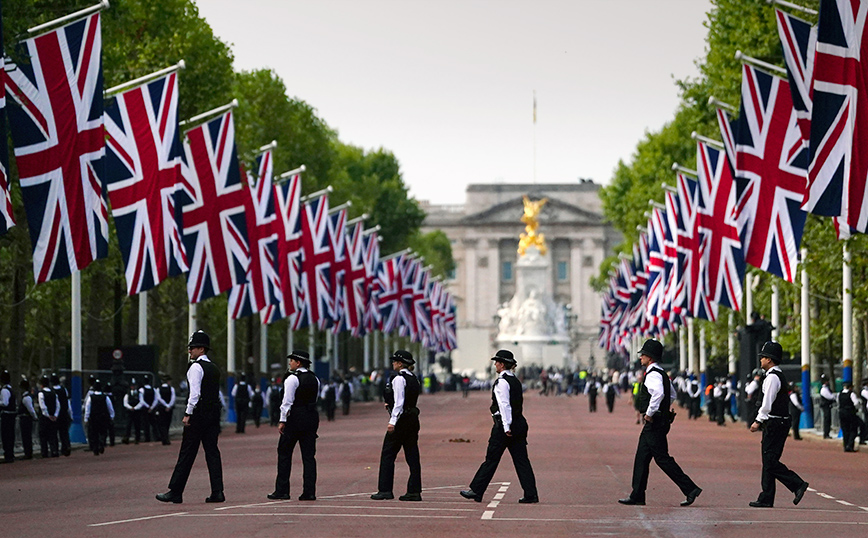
point(582, 461)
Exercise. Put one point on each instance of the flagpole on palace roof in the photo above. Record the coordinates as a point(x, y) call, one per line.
point(289, 174)
point(791, 5)
point(208, 114)
point(678, 168)
point(80, 14)
point(779, 71)
point(141, 80)
point(705, 140)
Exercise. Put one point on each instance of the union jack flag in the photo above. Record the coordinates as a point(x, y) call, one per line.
point(263, 282)
point(143, 177)
point(773, 161)
point(450, 324)
point(721, 260)
point(354, 291)
point(422, 307)
point(389, 284)
point(215, 205)
point(57, 128)
point(407, 325)
point(317, 303)
point(287, 198)
point(670, 316)
point(680, 293)
point(799, 43)
point(337, 231)
point(7, 218)
point(372, 302)
point(658, 230)
point(839, 121)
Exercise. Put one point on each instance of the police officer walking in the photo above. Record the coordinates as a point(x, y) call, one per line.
point(402, 432)
point(508, 433)
point(242, 394)
point(655, 397)
point(26, 416)
point(135, 406)
point(774, 421)
point(299, 422)
point(8, 410)
point(848, 403)
point(201, 423)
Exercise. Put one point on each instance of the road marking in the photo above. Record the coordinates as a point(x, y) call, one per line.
point(488, 514)
point(499, 496)
point(705, 522)
point(493, 504)
point(298, 514)
point(824, 495)
point(135, 519)
point(845, 503)
point(503, 489)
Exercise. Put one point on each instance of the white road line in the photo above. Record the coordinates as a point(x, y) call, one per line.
point(703, 522)
point(503, 489)
point(864, 508)
point(326, 497)
point(825, 495)
point(499, 496)
point(845, 503)
point(493, 504)
point(488, 514)
point(135, 519)
point(298, 514)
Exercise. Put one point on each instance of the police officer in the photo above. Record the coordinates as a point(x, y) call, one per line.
point(402, 432)
point(827, 398)
point(796, 409)
point(345, 394)
point(8, 410)
point(299, 422)
point(49, 411)
point(274, 396)
point(774, 421)
point(164, 406)
point(256, 403)
point(98, 412)
point(694, 398)
point(508, 433)
point(753, 396)
point(26, 416)
point(201, 423)
point(135, 406)
point(242, 394)
point(329, 398)
point(64, 418)
point(149, 396)
point(848, 403)
point(656, 395)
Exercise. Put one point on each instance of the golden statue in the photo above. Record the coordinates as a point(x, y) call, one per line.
point(530, 218)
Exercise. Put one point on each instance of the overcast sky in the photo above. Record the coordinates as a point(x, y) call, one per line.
point(448, 85)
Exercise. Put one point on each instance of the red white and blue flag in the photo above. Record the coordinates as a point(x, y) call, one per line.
point(337, 226)
point(263, 281)
point(799, 43)
point(57, 128)
point(287, 204)
point(7, 218)
point(407, 308)
point(838, 172)
point(372, 319)
point(422, 307)
point(450, 324)
point(680, 292)
point(772, 161)
point(316, 306)
point(354, 290)
point(143, 177)
point(215, 204)
point(390, 286)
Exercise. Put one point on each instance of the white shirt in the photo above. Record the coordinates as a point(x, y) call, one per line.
point(27, 400)
point(194, 379)
point(249, 393)
point(399, 384)
point(771, 386)
point(108, 403)
point(865, 393)
point(58, 388)
point(826, 393)
point(156, 396)
point(796, 401)
point(501, 395)
point(853, 397)
point(751, 388)
point(140, 405)
point(159, 399)
point(654, 384)
point(289, 388)
point(44, 408)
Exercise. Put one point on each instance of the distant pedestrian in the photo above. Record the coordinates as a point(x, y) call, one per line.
point(256, 403)
point(611, 391)
point(345, 395)
point(329, 399)
point(848, 403)
point(98, 412)
point(165, 406)
point(591, 389)
point(796, 409)
point(274, 396)
point(508, 433)
point(64, 418)
point(201, 423)
point(149, 418)
point(774, 421)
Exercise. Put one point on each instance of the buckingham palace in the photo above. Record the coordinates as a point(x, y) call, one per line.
point(484, 233)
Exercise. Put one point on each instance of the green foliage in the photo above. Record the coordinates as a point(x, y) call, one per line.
point(436, 249)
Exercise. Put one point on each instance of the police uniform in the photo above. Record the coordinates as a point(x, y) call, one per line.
point(796, 409)
point(135, 406)
point(149, 396)
point(848, 403)
point(509, 432)
point(26, 416)
point(274, 395)
point(256, 403)
point(401, 397)
point(329, 399)
point(300, 420)
point(827, 398)
point(164, 405)
point(774, 421)
point(64, 418)
point(242, 394)
point(202, 425)
point(49, 411)
point(655, 397)
point(98, 412)
point(8, 410)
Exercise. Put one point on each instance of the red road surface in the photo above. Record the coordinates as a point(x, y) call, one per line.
point(582, 462)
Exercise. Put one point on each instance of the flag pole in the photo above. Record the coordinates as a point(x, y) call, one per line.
point(76, 432)
point(534, 137)
point(214, 112)
point(369, 231)
point(316, 194)
point(396, 254)
point(705, 140)
point(143, 318)
point(337, 208)
point(775, 309)
point(362, 218)
point(717, 103)
point(775, 70)
point(143, 79)
point(847, 322)
point(807, 420)
point(289, 174)
point(80, 14)
point(686, 171)
point(791, 5)
point(263, 352)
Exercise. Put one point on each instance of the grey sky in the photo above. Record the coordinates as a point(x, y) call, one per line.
point(448, 85)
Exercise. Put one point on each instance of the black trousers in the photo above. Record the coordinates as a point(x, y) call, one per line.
point(134, 421)
point(274, 414)
point(256, 411)
point(203, 429)
point(695, 406)
point(48, 437)
point(240, 417)
point(592, 403)
point(654, 445)
point(330, 410)
point(827, 420)
point(794, 423)
point(26, 424)
point(849, 429)
point(97, 433)
point(774, 436)
point(63, 423)
point(345, 407)
point(610, 402)
point(406, 437)
point(164, 420)
point(7, 435)
point(498, 442)
point(149, 421)
point(306, 440)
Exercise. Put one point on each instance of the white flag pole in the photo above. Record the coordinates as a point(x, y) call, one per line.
point(808, 414)
point(80, 14)
point(141, 80)
point(367, 344)
point(76, 429)
point(682, 349)
point(263, 350)
point(775, 310)
point(143, 318)
point(847, 323)
point(192, 325)
point(205, 115)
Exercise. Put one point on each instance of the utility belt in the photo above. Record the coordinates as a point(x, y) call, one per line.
point(776, 421)
point(498, 420)
point(306, 407)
